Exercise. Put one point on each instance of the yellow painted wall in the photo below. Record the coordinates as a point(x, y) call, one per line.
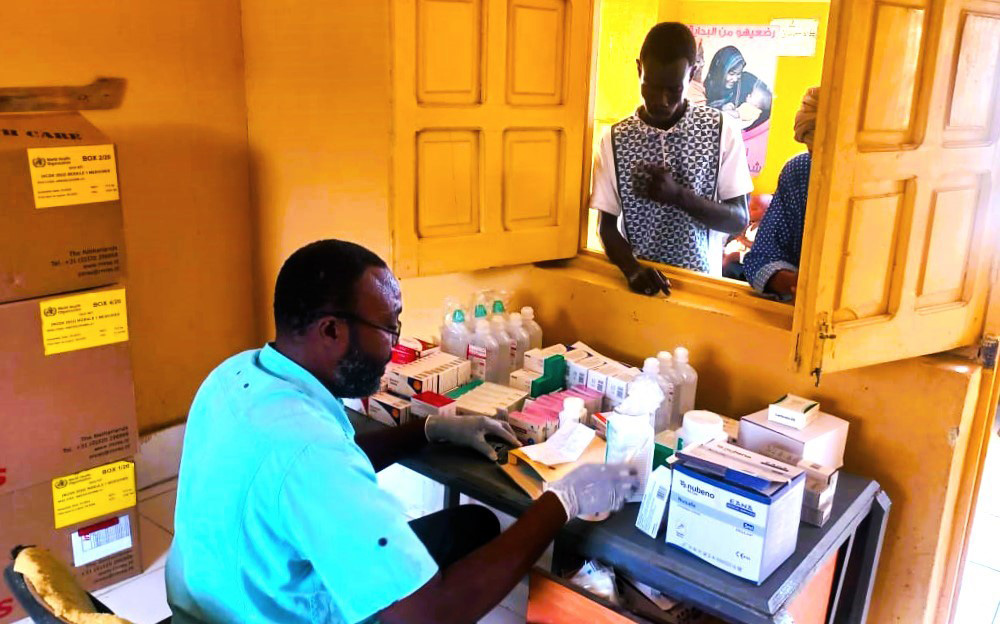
point(181, 136)
point(793, 76)
point(318, 94)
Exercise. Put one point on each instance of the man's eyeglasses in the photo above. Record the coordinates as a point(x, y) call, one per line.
point(394, 332)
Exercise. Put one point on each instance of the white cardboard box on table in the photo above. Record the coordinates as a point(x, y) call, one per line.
point(735, 509)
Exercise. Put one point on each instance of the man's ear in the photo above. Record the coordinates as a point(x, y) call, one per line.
point(328, 328)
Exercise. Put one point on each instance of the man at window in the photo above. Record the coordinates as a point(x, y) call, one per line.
point(670, 181)
point(772, 264)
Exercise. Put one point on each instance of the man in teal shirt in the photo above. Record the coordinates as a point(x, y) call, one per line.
point(279, 516)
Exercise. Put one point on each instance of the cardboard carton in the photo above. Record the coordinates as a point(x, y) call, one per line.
point(61, 222)
point(100, 546)
point(73, 408)
point(821, 441)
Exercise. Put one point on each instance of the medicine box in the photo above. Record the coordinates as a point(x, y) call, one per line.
point(431, 404)
point(597, 379)
point(579, 371)
point(388, 409)
point(618, 386)
point(822, 441)
point(438, 372)
point(61, 222)
point(793, 411)
point(735, 509)
point(534, 359)
point(66, 397)
point(412, 349)
point(521, 379)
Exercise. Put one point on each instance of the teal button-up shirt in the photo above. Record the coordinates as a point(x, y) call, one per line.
point(279, 517)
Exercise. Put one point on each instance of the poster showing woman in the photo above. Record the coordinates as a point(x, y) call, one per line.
point(736, 74)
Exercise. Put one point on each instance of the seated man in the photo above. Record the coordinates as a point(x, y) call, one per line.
point(659, 173)
point(279, 516)
point(772, 265)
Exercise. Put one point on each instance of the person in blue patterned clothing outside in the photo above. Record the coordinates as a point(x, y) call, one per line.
point(671, 180)
point(772, 265)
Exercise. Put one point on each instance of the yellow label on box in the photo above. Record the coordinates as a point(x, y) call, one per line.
point(82, 321)
point(66, 176)
point(92, 493)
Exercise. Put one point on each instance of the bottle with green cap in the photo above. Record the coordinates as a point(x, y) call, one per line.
point(455, 335)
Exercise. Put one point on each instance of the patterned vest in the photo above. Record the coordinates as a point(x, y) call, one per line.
point(690, 151)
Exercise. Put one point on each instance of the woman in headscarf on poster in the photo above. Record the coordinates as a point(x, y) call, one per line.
point(733, 90)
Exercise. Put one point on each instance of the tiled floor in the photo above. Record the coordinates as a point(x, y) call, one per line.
point(143, 599)
point(979, 597)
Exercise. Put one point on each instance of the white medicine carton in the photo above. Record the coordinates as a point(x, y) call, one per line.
point(735, 509)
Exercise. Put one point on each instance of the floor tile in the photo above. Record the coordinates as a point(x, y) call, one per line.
point(979, 596)
point(984, 543)
point(501, 615)
point(155, 544)
point(143, 601)
point(160, 509)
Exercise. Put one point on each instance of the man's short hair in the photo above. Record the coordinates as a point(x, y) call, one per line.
point(318, 279)
point(669, 41)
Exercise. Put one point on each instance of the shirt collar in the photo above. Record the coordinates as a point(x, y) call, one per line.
point(279, 365)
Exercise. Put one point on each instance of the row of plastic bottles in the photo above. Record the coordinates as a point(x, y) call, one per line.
point(677, 380)
point(495, 344)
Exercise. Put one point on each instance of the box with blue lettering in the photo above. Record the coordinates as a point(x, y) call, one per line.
point(735, 509)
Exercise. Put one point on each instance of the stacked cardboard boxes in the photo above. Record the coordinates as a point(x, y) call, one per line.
point(69, 421)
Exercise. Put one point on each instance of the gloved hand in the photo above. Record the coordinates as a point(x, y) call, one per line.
point(596, 488)
point(469, 431)
point(648, 281)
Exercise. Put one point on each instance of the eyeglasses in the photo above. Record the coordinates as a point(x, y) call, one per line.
point(394, 332)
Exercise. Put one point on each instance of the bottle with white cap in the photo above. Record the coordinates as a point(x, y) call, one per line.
point(484, 353)
point(520, 340)
point(689, 379)
point(661, 417)
point(534, 329)
point(573, 411)
point(499, 331)
point(699, 426)
point(672, 384)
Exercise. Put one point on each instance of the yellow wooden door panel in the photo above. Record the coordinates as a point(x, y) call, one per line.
point(868, 260)
point(533, 174)
point(972, 108)
point(447, 182)
point(536, 51)
point(488, 141)
point(890, 93)
point(448, 58)
point(904, 211)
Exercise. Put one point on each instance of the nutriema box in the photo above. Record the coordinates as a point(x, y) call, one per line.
point(65, 386)
point(88, 520)
point(61, 217)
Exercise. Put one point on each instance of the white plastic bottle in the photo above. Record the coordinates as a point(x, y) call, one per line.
point(480, 308)
point(498, 304)
point(689, 379)
point(484, 353)
point(661, 415)
point(455, 335)
point(520, 340)
point(499, 332)
point(630, 430)
point(673, 382)
point(534, 329)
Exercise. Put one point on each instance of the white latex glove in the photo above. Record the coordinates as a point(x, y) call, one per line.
point(596, 488)
point(469, 431)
